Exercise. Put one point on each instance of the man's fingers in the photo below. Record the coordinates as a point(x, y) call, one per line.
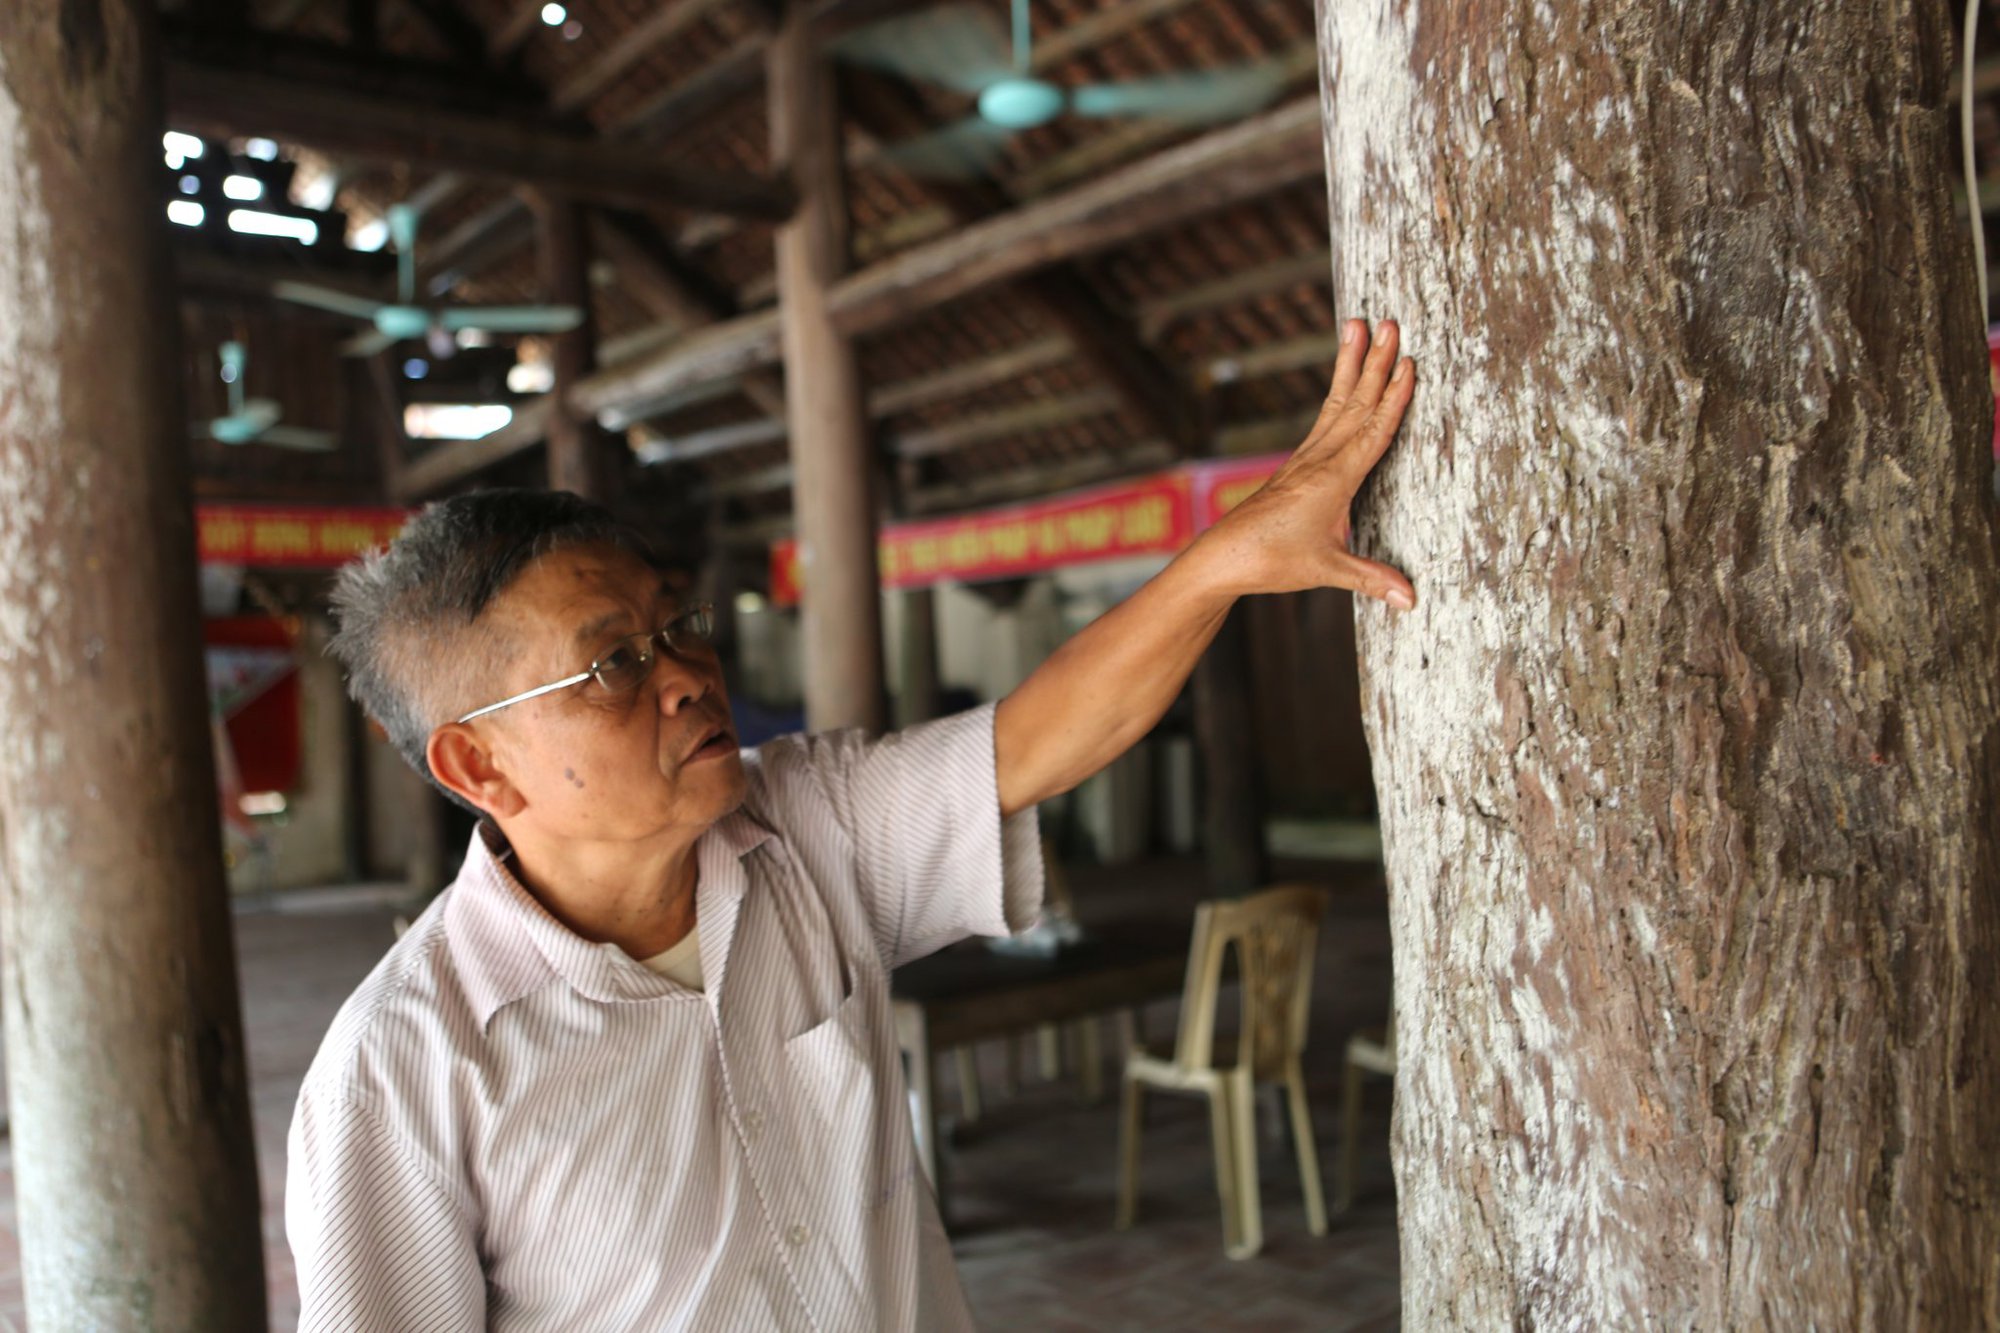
point(1375, 370)
point(1347, 367)
point(1371, 578)
point(1372, 440)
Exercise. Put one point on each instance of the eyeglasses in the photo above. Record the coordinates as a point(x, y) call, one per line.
point(628, 663)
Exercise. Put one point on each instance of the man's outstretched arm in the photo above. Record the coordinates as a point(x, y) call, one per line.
point(1102, 691)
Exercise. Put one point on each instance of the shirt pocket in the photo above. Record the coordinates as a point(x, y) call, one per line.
point(834, 1063)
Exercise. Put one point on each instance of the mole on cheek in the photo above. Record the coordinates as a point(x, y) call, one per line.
point(574, 780)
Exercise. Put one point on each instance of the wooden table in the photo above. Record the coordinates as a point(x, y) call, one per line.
point(968, 993)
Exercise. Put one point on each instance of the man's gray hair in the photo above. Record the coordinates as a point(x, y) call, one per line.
point(406, 614)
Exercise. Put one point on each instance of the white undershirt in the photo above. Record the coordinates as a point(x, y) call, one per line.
point(681, 963)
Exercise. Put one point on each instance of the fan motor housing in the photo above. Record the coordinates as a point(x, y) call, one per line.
point(1021, 104)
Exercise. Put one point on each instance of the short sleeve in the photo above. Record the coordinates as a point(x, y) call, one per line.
point(377, 1240)
point(935, 861)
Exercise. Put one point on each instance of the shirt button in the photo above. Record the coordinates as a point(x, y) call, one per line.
point(753, 1124)
point(798, 1235)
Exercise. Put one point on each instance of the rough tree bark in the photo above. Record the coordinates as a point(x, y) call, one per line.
point(1688, 758)
point(133, 1164)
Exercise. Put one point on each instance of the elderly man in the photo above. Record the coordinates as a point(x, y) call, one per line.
point(636, 1068)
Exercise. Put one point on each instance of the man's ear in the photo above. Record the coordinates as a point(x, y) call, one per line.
point(463, 765)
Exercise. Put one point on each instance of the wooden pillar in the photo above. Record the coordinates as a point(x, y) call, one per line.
point(917, 648)
point(134, 1173)
point(355, 833)
point(580, 457)
point(376, 387)
point(1232, 803)
point(834, 475)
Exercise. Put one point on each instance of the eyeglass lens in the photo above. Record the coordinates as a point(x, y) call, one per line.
point(630, 660)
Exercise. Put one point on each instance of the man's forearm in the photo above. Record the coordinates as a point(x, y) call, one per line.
point(1098, 694)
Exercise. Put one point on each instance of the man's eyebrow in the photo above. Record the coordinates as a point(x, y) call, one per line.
point(593, 633)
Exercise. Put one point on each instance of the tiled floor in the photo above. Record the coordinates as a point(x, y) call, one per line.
point(1032, 1182)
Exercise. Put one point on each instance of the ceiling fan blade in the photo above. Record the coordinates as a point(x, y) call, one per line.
point(958, 46)
point(257, 416)
point(367, 344)
point(972, 148)
point(1193, 99)
point(298, 437)
point(325, 298)
point(511, 318)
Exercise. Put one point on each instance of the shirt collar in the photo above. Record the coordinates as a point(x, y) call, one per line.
point(505, 945)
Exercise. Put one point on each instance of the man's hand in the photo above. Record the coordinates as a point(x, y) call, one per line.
point(1105, 688)
point(1293, 533)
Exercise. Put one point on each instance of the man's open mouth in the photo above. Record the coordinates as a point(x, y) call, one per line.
point(715, 742)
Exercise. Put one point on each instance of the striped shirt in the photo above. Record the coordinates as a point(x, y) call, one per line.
point(508, 1126)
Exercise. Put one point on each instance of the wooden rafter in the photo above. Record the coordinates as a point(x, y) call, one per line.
point(1226, 167)
point(737, 72)
point(1159, 315)
point(1146, 386)
point(1314, 349)
point(627, 49)
point(475, 244)
point(513, 34)
point(222, 100)
point(1046, 479)
point(969, 377)
point(460, 34)
point(1211, 172)
point(1025, 419)
point(448, 464)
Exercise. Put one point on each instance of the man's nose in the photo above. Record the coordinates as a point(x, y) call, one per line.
point(679, 681)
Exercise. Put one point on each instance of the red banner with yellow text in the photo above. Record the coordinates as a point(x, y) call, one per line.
point(1155, 515)
point(292, 537)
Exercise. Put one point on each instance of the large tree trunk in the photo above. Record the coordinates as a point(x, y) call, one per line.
point(1688, 758)
point(133, 1164)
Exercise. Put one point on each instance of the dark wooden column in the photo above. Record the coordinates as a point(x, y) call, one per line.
point(134, 1173)
point(917, 648)
point(1232, 804)
point(833, 472)
point(580, 457)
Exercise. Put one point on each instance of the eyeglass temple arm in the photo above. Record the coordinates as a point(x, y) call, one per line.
point(535, 693)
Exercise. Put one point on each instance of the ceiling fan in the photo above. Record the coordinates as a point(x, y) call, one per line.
point(405, 318)
point(255, 420)
point(962, 47)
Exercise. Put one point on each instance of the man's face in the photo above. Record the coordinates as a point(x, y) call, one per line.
point(590, 764)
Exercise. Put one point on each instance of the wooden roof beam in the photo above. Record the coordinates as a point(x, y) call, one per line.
point(1314, 349)
point(1244, 161)
point(1158, 315)
point(477, 243)
point(1025, 419)
point(454, 28)
point(1045, 479)
point(513, 34)
point(448, 464)
point(628, 49)
point(1103, 340)
point(225, 101)
point(890, 400)
point(737, 72)
point(970, 377)
point(678, 292)
point(1263, 436)
point(1212, 172)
